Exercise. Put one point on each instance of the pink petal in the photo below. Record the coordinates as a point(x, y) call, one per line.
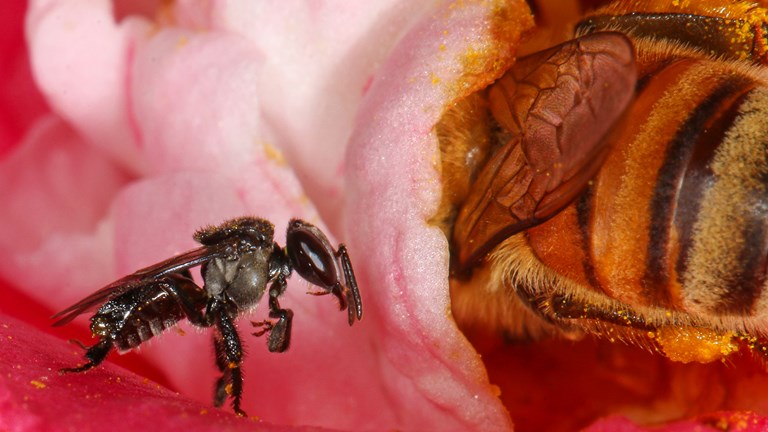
point(55, 190)
point(392, 181)
point(34, 396)
point(314, 78)
point(196, 102)
point(80, 59)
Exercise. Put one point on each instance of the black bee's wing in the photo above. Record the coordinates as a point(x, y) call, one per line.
point(556, 107)
point(177, 264)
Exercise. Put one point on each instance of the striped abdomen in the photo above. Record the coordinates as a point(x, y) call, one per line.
point(676, 217)
point(140, 314)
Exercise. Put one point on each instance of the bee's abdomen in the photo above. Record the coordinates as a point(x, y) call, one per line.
point(147, 321)
point(136, 316)
point(722, 260)
point(677, 216)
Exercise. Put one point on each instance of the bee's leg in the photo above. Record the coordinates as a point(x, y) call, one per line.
point(279, 338)
point(229, 353)
point(555, 307)
point(95, 355)
point(264, 327)
point(220, 392)
point(172, 284)
point(564, 306)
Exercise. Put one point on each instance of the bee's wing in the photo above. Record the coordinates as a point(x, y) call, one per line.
point(176, 264)
point(557, 106)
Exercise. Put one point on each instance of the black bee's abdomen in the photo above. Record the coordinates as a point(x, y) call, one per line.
point(138, 315)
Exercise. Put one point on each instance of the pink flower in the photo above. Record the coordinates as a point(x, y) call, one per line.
point(142, 121)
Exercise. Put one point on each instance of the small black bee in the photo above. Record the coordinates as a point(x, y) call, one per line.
point(238, 259)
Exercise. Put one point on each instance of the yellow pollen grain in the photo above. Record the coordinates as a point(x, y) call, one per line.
point(690, 344)
point(37, 384)
point(274, 155)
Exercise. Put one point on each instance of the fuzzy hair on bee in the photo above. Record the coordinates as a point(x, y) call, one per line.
point(621, 188)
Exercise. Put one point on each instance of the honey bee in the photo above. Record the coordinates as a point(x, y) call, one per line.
point(617, 185)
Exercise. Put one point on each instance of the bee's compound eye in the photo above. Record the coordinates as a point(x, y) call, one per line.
point(312, 257)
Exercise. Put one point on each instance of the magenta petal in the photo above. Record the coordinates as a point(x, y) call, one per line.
point(20, 101)
point(34, 396)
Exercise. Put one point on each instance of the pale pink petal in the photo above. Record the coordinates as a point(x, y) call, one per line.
point(196, 101)
point(319, 58)
point(394, 188)
point(80, 60)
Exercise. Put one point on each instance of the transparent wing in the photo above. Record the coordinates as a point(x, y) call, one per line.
point(556, 108)
point(154, 272)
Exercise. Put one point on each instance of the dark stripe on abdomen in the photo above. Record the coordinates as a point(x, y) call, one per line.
point(684, 171)
point(584, 207)
point(697, 179)
point(747, 285)
point(723, 267)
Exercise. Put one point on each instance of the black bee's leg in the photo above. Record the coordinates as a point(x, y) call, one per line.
point(229, 359)
point(171, 285)
point(220, 392)
point(266, 326)
point(95, 355)
point(279, 338)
